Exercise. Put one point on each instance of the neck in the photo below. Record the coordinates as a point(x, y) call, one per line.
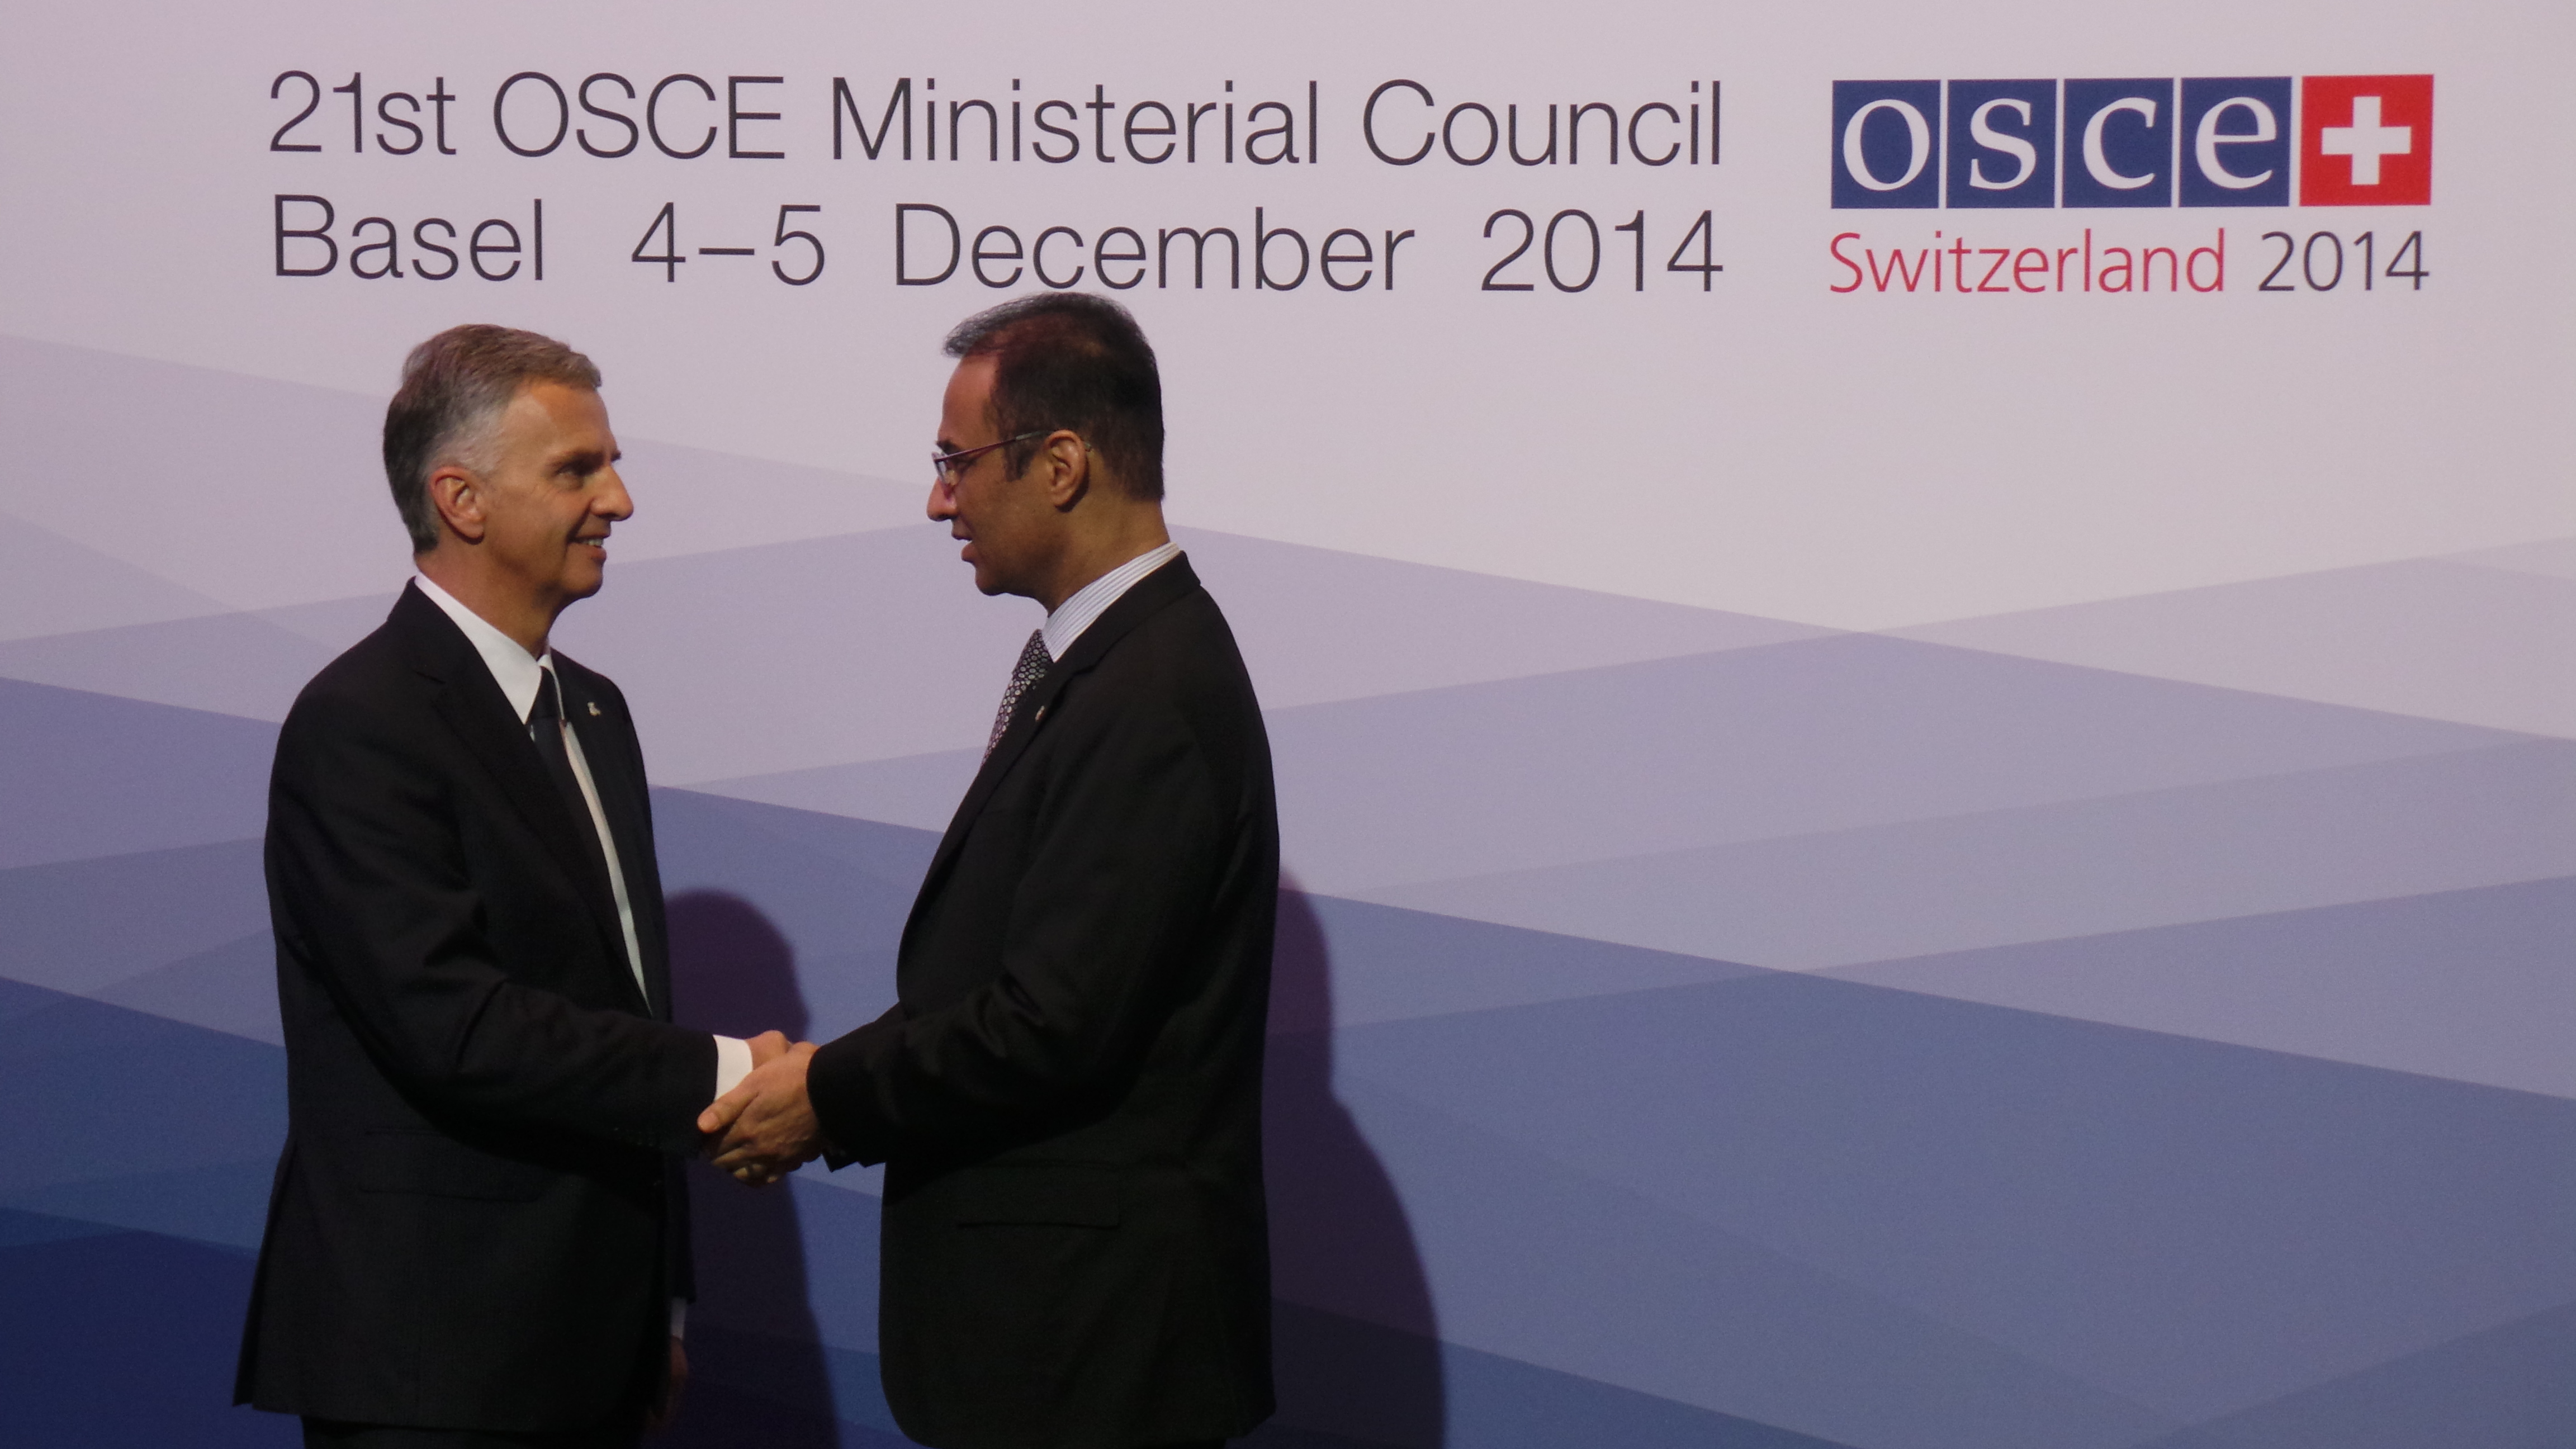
point(500, 602)
point(1090, 553)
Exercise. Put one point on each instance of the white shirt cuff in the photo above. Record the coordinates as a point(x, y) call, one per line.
point(733, 1063)
point(679, 1317)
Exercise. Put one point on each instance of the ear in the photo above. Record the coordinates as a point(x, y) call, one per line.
point(1064, 466)
point(458, 497)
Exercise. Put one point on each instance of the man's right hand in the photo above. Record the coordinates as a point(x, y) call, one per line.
point(767, 1123)
point(767, 1047)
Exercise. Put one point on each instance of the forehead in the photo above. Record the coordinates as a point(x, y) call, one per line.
point(553, 414)
point(970, 390)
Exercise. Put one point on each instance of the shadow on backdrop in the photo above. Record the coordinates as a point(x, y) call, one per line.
point(756, 1366)
point(1357, 1347)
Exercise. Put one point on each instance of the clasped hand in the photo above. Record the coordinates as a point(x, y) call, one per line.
point(764, 1128)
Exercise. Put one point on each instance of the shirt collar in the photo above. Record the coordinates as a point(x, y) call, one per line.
point(519, 673)
point(1077, 613)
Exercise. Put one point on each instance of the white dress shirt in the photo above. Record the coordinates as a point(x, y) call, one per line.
point(1077, 613)
point(520, 676)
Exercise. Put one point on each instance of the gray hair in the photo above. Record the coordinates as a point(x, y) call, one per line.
point(454, 388)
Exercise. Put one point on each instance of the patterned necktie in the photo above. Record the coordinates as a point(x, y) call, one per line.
point(546, 726)
point(1032, 667)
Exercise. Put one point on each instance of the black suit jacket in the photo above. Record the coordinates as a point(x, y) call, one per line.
point(1068, 1096)
point(474, 1223)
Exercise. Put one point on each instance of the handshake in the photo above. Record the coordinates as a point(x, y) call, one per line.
point(764, 1128)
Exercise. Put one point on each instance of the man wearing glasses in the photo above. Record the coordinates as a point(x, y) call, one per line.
point(1068, 1093)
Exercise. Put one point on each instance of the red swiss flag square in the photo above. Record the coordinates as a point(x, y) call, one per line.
point(2366, 140)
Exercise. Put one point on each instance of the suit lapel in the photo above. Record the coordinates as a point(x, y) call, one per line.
point(1147, 597)
point(473, 706)
point(621, 799)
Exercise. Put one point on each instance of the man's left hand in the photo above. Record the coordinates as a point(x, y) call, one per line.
point(764, 1128)
point(667, 1407)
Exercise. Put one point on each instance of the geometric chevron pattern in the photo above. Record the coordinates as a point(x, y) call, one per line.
point(2140, 1023)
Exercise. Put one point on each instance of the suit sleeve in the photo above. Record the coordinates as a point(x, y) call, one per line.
point(1120, 866)
point(369, 871)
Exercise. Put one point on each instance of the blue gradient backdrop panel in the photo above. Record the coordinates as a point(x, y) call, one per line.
point(2145, 1159)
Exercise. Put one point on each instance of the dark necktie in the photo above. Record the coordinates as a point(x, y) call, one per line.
point(546, 725)
point(1031, 668)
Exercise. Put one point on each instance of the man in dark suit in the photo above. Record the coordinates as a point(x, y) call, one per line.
point(1068, 1094)
point(478, 1233)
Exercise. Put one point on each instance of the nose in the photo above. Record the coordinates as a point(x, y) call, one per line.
point(612, 502)
point(943, 502)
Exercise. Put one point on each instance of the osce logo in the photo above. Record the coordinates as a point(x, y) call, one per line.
point(2354, 140)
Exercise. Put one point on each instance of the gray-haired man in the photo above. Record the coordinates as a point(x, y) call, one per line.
point(478, 1233)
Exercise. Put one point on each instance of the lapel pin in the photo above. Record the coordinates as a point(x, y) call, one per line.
point(1040, 716)
point(594, 709)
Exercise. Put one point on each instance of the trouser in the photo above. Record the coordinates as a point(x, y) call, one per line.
point(330, 1434)
point(327, 1434)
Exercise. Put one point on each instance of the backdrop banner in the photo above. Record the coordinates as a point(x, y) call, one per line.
point(1919, 661)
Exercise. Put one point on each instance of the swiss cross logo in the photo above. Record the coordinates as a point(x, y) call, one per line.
point(2366, 140)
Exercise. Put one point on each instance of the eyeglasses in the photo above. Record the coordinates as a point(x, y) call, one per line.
point(947, 468)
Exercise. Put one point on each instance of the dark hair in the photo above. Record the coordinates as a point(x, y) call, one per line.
point(454, 387)
point(1074, 361)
